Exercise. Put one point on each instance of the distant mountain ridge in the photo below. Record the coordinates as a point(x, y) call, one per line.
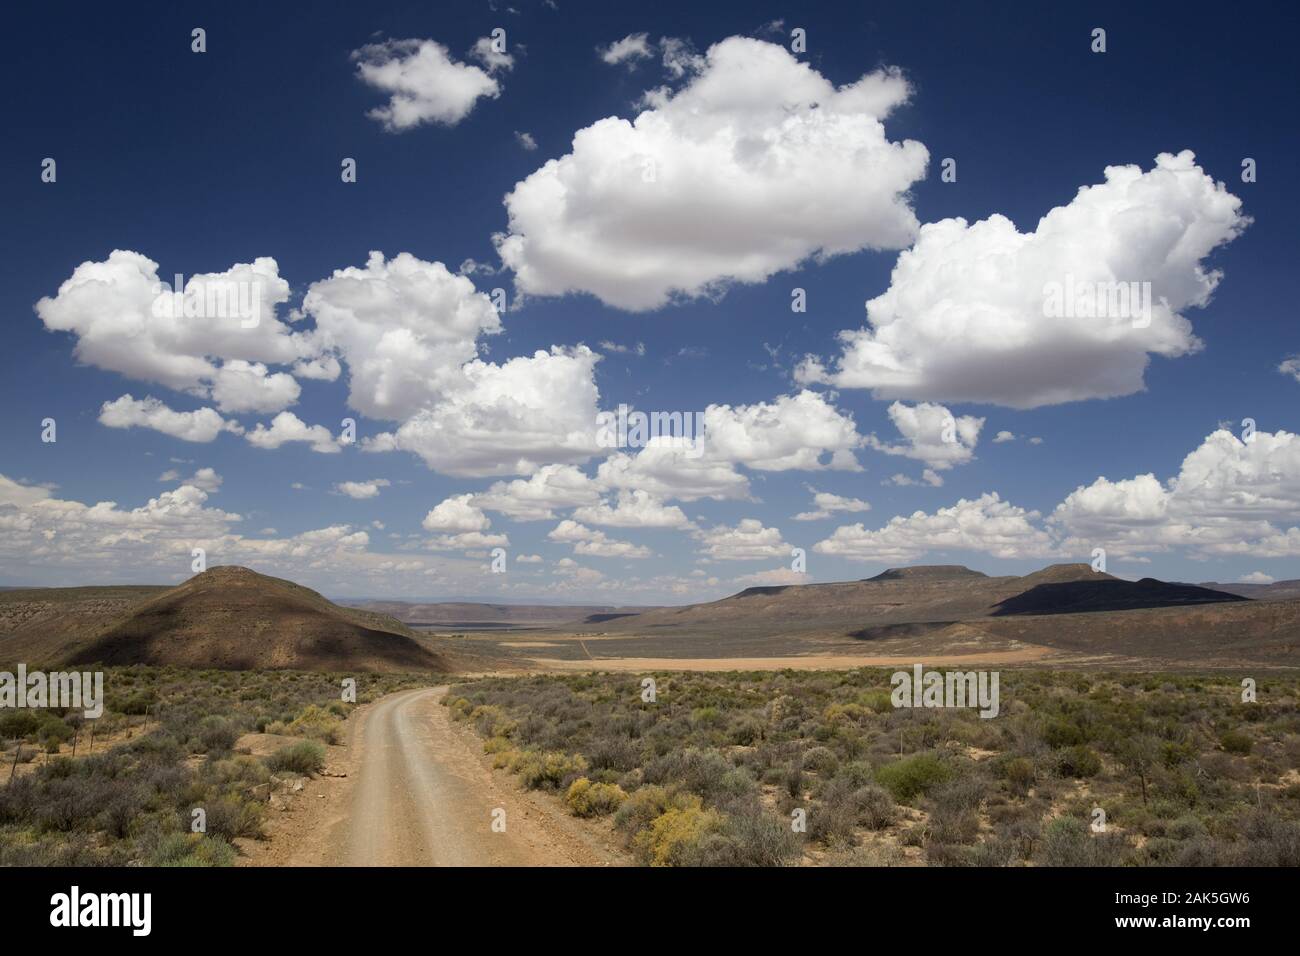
point(922, 594)
point(235, 618)
point(470, 613)
point(1064, 612)
point(1274, 591)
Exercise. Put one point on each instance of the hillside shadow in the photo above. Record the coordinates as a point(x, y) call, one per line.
point(1108, 594)
point(884, 632)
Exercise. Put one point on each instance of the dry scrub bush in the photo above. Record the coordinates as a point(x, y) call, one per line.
point(587, 799)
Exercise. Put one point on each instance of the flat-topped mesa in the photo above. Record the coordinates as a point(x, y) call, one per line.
point(764, 589)
point(927, 572)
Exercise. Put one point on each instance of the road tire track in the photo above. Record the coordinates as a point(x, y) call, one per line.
point(422, 794)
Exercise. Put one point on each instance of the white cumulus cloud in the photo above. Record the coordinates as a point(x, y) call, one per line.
point(405, 328)
point(536, 497)
point(968, 317)
point(748, 540)
point(793, 431)
point(595, 543)
point(825, 504)
point(205, 479)
point(931, 434)
point(241, 386)
point(506, 419)
point(633, 47)
point(754, 165)
point(362, 490)
point(288, 427)
point(200, 425)
point(214, 338)
point(1256, 577)
point(1230, 497)
point(986, 525)
point(634, 509)
point(426, 84)
point(667, 469)
point(456, 514)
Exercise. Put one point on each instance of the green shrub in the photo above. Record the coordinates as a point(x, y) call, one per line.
point(1079, 761)
point(492, 722)
point(316, 723)
point(878, 701)
point(832, 822)
point(746, 729)
point(547, 769)
point(821, 760)
point(647, 803)
point(1236, 742)
point(706, 717)
point(614, 753)
point(19, 723)
point(874, 807)
point(135, 703)
point(192, 849)
point(1070, 842)
point(912, 776)
point(1019, 774)
point(305, 757)
point(231, 817)
point(1063, 733)
point(746, 839)
point(216, 734)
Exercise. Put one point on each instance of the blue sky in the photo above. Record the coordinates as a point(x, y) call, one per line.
point(199, 162)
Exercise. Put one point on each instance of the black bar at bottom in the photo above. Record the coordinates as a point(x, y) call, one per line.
point(341, 905)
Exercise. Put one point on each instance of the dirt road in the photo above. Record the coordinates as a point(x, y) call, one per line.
point(419, 792)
